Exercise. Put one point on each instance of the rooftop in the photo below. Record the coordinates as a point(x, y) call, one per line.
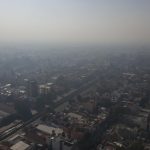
point(20, 146)
point(79, 117)
point(48, 130)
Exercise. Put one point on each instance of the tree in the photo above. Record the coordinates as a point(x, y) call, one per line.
point(23, 110)
point(136, 146)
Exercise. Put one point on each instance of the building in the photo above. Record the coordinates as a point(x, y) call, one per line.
point(20, 146)
point(49, 130)
point(32, 88)
point(44, 89)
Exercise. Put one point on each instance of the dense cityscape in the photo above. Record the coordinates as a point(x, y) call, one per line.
point(74, 74)
point(75, 100)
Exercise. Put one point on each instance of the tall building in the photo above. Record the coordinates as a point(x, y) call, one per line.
point(44, 89)
point(32, 88)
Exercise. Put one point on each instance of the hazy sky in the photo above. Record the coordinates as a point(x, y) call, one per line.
point(75, 21)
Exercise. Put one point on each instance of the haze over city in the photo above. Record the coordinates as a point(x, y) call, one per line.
point(74, 74)
point(76, 22)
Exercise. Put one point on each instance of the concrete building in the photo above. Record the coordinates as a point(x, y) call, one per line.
point(20, 146)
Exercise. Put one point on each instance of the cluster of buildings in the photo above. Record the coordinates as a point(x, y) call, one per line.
point(110, 113)
point(130, 128)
